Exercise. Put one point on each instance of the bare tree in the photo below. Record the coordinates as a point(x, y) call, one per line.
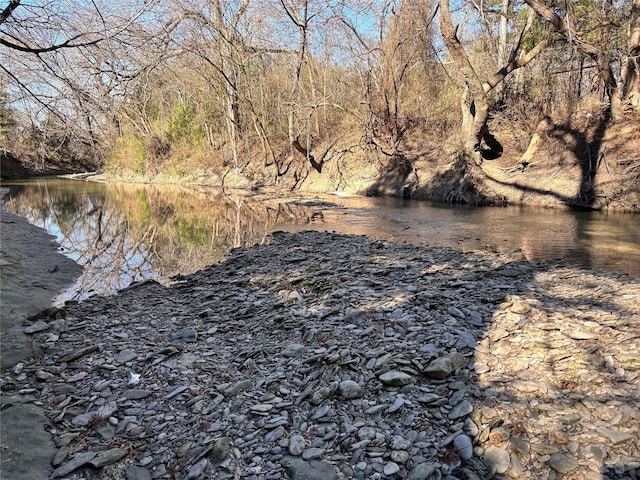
point(300, 16)
point(219, 41)
point(69, 61)
point(475, 101)
point(615, 90)
point(630, 73)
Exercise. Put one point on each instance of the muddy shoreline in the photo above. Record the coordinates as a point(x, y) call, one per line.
point(33, 272)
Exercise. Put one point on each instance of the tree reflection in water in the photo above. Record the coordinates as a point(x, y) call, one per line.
point(122, 234)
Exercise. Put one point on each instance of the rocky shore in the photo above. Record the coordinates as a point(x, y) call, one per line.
point(32, 273)
point(325, 356)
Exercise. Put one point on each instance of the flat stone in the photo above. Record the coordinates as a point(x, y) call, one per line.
point(186, 335)
point(442, 367)
point(196, 470)
point(126, 356)
point(581, 335)
point(107, 457)
point(396, 379)
point(313, 453)
point(424, 471)
point(497, 458)
point(615, 436)
point(135, 472)
point(299, 469)
point(83, 419)
point(38, 326)
point(562, 463)
point(294, 350)
point(134, 394)
point(76, 462)
point(460, 410)
point(238, 387)
point(275, 434)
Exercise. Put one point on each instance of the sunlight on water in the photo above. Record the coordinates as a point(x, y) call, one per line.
point(122, 233)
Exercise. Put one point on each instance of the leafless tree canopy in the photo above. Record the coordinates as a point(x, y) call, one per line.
point(147, 83)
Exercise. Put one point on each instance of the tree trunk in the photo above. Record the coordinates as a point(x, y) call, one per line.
point(630, 74)
point(302, 23)
point(475, 105)
point(233, 121)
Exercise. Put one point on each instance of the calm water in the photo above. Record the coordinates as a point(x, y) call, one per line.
point(123, 233)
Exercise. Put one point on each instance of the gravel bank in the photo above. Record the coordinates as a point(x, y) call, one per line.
point(324, 356)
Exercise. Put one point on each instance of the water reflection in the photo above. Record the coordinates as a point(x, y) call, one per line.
point(590, 239)
point(123, 233)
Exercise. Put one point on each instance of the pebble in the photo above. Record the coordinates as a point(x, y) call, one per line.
point(497, 458)
point(38, 326)
point(562, 463)
point(296, 445)
point(325, 356)
point(464, 446)
point(396, 379)
point(391, 468)
point(350, 389)
point(462, 409)
point(444, 366)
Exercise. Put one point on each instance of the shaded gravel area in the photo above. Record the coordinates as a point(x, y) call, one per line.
point(325, 356)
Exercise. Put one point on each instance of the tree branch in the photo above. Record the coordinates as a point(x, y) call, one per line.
point(6, 13)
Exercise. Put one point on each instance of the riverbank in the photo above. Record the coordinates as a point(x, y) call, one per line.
point(336, 356)
point(577, 161)
point(33, 272)
point(559, 165)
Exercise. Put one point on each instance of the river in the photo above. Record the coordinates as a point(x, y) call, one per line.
point(125, 233)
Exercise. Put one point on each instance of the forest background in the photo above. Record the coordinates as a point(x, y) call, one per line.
point(473, 101)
